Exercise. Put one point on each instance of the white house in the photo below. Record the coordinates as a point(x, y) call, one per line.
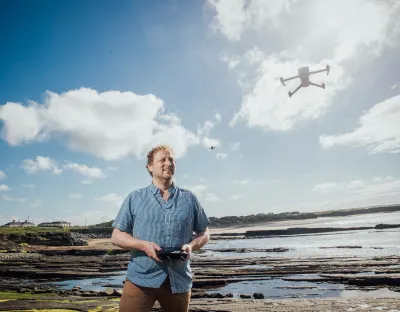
point(55, 224)
point(19, 224)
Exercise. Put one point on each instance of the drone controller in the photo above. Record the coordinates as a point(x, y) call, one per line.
point(172, 255)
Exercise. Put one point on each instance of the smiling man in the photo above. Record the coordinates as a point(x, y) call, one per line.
point(158, 217)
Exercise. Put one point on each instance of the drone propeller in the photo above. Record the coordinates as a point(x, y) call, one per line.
point(328, 68)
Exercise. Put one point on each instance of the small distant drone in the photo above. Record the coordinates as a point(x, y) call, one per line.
point(304, 75)
point(212, 147)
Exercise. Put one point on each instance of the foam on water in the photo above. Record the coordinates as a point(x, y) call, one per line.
point(309, 246)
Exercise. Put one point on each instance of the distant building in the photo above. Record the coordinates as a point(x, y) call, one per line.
point(19, 224)
point(55, 224)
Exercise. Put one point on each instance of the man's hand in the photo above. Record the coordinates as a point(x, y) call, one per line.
point(151, 249)
point(188, 249)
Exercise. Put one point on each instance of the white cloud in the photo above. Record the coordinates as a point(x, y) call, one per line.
point(222, 155)
point(376, 187)
point(86, 182)
point(109, 125)
point(2, 175)
point(234, 16)
point(378, 130)
point(47, 164)
point(206, 128)
point(4, 187)
point(75, 196)
point(111, 197)
point(393, 87)
point(40, 164)
point(84, 170)
point(344, 39)
point(266, 104)
point(202, 193)
point(217, 116)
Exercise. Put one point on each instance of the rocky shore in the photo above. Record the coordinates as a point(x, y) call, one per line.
point(29, 276)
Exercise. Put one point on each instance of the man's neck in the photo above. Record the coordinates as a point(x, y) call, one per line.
point(163, 185)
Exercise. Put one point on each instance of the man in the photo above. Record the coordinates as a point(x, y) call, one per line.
point(159, 216)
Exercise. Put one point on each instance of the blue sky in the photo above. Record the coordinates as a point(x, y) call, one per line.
point(87, 88)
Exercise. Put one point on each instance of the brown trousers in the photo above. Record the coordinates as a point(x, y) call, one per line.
point(142, 299)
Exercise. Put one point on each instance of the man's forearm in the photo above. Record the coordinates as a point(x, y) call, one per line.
point(126, 241)
point(200, 240)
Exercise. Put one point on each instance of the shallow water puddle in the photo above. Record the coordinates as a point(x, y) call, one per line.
point(278, 288)
point(95, 284)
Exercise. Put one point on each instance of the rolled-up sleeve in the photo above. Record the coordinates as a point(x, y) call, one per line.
point(125, 218)
point(201, 221)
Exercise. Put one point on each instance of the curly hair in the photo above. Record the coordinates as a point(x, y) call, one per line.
point(153, 151)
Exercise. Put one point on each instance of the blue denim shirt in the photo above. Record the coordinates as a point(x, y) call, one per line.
point(170, 224)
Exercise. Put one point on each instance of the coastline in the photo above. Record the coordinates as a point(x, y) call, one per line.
point(29, 276)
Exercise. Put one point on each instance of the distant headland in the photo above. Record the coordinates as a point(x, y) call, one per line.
point(229, 221)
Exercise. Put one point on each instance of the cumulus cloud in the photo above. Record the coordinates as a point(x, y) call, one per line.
point(203, 193)
point(323, 33)
point(110, 125)
point(2, 175)
point(378, 130)
point(47, 164)
point(4, 187)
point(111, 197)
point(40, 164)
point(376, 187)
point(84, 170)
point(233, 17)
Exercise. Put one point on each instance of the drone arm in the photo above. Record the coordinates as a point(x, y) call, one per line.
point(317, 85)
point(297, 89)
point(327, 69)
point(290, 78)
point(317, 71)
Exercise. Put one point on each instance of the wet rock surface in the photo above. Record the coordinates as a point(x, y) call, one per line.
point(246, 303)
point(41, 268)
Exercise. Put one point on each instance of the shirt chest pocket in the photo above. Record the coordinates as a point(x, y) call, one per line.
point(180, 216)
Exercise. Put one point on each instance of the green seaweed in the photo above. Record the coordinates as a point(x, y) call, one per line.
point(13, 295)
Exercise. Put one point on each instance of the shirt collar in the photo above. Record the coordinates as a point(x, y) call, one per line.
point(154, 189)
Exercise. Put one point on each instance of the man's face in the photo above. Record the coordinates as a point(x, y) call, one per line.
point(163, 166)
